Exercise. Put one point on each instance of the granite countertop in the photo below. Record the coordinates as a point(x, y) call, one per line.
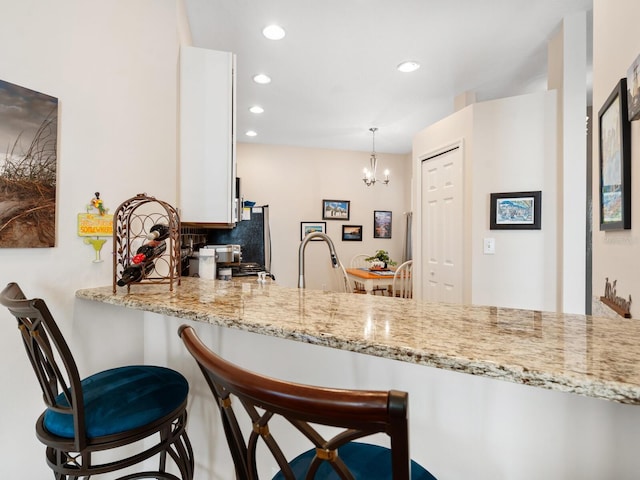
point(597, 357)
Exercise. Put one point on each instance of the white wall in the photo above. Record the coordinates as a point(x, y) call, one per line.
point(616, 254)
point(293, 181)
point(113, 67)
point(514, 151)
point(509, 146)
point(566, 73)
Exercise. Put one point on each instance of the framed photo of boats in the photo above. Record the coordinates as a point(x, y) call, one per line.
point(352, 233)
point(615, 160)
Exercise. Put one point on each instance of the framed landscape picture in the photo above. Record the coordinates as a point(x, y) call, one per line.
point(335, 209)
point(28, 167)
point(516, 211)
point(615, 161)
point(352, 233)
point(309, 227)
point(381, 224)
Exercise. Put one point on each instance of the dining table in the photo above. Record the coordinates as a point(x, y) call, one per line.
point(371, 278)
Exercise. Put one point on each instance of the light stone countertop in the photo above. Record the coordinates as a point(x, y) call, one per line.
point(597, 357)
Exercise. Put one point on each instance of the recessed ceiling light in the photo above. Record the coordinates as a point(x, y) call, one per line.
point(409, 66)
point(250, 133)
point(274, 32)
point(262, 78)
point(256, 109)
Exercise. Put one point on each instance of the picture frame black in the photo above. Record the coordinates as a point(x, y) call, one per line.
point(516, 211)
point(352, 233)
point(336, 209)
point(382, 223)
point(309, 227)
point(615, 160)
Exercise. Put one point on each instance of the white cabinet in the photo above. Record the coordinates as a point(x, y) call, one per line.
point(207, 165)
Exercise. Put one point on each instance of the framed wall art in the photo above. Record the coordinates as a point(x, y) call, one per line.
point(615, 161)
point(335, 209)
point(516, 211)
point(381, 224)
point(633, 90)
point(352, 233)
point(309, 227)
point(28, 167)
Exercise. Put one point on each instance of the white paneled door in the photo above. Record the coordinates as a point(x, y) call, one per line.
point(442, 226)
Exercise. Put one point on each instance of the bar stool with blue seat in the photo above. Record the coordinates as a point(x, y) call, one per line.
point(309, 409)
point(105, 411)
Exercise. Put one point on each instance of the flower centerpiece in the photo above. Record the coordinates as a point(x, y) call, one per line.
point(380, 261)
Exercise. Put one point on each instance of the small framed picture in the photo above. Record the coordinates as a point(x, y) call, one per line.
point(352, 233)
point(335, 209)
point(309, 227)
point(516, 211)
point(381, 224)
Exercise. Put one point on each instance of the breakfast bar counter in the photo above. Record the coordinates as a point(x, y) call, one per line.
point(494, 393)
point(591, 356)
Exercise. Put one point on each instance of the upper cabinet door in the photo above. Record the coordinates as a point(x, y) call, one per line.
point(207, 137)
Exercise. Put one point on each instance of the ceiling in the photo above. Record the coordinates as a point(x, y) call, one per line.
point(334, 74)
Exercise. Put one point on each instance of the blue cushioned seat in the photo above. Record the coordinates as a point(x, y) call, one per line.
point(365, 461)
point(122, 399)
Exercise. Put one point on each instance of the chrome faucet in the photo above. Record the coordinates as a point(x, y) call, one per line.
point(335, 263)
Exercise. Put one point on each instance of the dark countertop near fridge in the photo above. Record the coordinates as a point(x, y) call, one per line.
point(597, 357)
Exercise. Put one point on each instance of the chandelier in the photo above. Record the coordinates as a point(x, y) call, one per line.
point(369, 177)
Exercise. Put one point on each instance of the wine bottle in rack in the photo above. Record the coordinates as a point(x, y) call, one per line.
point(135, 273)
point(149, 251)
point(159, 231)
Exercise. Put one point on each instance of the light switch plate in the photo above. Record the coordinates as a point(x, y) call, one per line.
point(489, 246)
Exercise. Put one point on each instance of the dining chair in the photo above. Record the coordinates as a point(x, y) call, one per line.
point(345, 281)
point(402, 285)
point(140, 407)
point(358, 261)
point(262, 402)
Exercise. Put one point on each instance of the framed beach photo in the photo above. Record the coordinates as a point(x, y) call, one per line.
point(615, 161)
point(516, 211)
point(381, 224)
point(309, 227)
point(335, 209)
point(352, 233)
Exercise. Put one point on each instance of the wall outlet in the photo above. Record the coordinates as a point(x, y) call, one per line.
point(489, 246)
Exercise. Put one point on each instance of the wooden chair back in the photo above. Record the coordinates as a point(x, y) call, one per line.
point(358, 261)
point(402, 285)
point(357, 413)
point(345, 281)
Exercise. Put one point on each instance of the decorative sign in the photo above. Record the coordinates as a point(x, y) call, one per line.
point(611, 299)
point(92, 225)
point(97, 225)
